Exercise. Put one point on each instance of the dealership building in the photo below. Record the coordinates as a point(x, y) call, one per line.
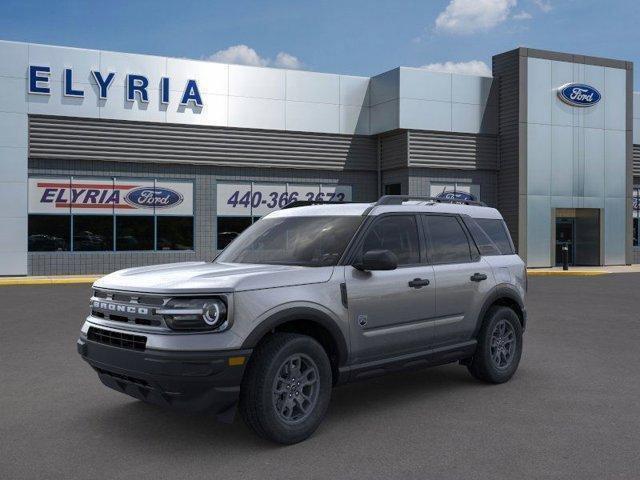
point(110, 160)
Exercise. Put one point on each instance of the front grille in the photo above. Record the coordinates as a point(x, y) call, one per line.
point(134, 297)
point(128, 308)
point(117, 339)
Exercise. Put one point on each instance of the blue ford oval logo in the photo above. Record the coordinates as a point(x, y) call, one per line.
point(149, 197)
point(579, 95)
point(449, 195)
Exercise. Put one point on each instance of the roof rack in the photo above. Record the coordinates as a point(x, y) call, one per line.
point(306, 203)
point(399, 199)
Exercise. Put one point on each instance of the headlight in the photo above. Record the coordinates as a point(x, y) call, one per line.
point(195, 314)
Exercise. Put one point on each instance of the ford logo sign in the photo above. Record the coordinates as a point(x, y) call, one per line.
point(449, 195)
point(149, 197)
point(579, 95)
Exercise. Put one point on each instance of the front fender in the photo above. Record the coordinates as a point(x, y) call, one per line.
point(300, 311)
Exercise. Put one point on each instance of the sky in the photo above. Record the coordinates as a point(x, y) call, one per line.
point(348, 36)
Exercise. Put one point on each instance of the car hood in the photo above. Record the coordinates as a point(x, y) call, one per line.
point(204, 277)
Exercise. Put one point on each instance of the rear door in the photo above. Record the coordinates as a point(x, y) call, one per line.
point(390, 311)
point(462, 278)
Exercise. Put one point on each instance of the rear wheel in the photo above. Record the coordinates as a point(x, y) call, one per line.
point(286, 390)
point(499, 346)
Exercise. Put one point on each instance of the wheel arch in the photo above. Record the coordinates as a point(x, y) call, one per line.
point(503, 295)
point(308, 321)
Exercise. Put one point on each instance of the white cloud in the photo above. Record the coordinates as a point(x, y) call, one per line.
point(245, 55)
point(522, 16)
point(240, 54)
point(469, 16)
point(286, 60)
point(473, 67)
point(543, 5)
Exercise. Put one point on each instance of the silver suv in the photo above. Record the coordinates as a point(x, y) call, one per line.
point(310, 297)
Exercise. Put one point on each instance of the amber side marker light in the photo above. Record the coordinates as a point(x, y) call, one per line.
point(236, 361)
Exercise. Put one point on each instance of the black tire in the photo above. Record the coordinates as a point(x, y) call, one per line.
point(487, 362)
point(261, 407)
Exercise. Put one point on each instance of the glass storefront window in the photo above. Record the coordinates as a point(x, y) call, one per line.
point(175, 233)
point(89, 214)
point(393, 189)
point(92, 233)
point(134, 233)
point(455, 191)
point(229, 228)
point(49, 233)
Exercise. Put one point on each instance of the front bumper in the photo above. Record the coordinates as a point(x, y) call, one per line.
point(192, 381)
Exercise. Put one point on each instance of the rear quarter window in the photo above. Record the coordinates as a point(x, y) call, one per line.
point(496, 239)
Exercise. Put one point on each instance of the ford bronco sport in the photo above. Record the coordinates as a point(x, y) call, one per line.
point(310, 297)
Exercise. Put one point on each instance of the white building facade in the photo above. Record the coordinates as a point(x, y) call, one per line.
point(110, 160)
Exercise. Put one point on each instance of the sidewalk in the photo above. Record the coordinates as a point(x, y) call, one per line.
point(49, 280)
point(582, 271)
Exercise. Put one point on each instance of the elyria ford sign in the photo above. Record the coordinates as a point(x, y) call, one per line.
point(64, 195)
point(136, 86)
point(579, 95)
point(153, 197)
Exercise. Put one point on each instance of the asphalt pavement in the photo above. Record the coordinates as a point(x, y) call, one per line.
point(571, 411)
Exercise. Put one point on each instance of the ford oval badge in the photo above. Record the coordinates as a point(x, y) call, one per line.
point(149, 197)
point(579, 95)
point(449, 195)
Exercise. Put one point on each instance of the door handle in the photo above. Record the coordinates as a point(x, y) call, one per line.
point(418, 283)
point(478, 277)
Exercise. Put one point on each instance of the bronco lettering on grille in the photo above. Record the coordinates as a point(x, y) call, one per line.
point(115, 307)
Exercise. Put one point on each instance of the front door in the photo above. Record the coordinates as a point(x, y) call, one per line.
point(390, 311)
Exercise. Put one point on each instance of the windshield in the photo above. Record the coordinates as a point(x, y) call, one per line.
point(303, 241)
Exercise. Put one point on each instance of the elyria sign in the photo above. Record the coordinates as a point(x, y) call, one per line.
point(136, 86)
point(579, 95)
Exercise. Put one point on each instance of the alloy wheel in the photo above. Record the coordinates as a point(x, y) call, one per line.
point(295, 388)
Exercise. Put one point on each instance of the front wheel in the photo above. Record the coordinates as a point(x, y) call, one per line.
point(286, 391)
point(499, 346)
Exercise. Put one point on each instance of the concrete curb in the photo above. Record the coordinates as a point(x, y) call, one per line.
point(52, 280)
point(567, 273)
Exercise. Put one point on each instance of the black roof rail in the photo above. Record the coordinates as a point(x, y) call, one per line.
point(306, 203)
point(398, 199)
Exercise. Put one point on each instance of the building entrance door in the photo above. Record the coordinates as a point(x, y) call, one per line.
point(579, 229)
point(564, 236)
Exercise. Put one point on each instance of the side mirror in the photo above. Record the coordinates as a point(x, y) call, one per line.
point(377, 260)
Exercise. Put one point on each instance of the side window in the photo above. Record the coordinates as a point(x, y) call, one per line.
point(497, 231)
point(484, 243)
point(397, 233)
point(448, 241)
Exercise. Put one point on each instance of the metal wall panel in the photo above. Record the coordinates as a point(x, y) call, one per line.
point(506, 71)
point(635, 117)
point(394, 150)
point(108, 140)
point(453, 150)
